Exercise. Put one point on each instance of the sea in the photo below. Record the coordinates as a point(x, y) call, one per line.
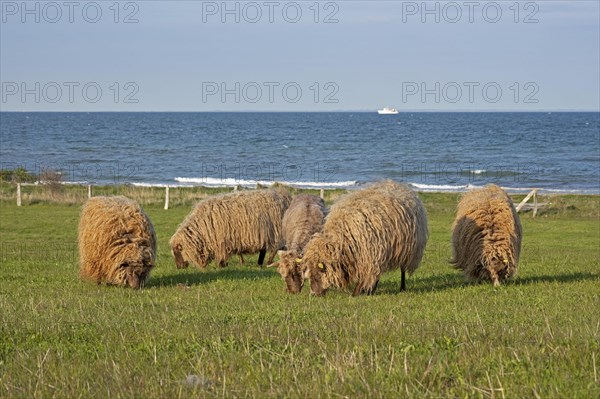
point(556, 152)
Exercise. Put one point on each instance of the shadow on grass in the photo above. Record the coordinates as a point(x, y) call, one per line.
point(559, 278)
point(424, 284)
point(455, 280)
point(193, 276)
point(441, 282)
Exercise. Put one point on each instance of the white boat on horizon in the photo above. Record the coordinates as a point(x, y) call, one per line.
point(387, 111)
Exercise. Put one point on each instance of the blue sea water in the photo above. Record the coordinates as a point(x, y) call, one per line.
point(557, 152)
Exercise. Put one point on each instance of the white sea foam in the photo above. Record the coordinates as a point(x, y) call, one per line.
point(67, 183)
point(439, 187)
point(231, 182)
point(142, 184)
point(512, 190)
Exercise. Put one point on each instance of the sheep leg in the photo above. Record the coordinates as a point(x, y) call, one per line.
point(372, 290)
point(241, 259)
point(494, 277)
point(357, 290)
point(261, 257)
point(272, 256)
point(403, 281)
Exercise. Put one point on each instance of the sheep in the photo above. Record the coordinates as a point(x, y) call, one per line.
point(486, 236)
point(367, 233)
point(236, 223)
point(303, 218)
point(117, 243)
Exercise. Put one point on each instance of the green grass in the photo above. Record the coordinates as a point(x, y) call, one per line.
point(243, 336)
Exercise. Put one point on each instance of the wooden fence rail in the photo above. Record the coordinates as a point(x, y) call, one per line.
point(89, 192)
point(536, 205)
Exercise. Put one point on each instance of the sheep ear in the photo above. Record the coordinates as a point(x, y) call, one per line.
point(282, 253)
point(274, 264)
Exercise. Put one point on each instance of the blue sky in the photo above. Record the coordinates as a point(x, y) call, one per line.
point(352, 55)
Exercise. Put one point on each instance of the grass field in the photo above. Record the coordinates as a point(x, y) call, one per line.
point(234, 332)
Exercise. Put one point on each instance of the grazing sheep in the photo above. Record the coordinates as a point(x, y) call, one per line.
point(117, 243)
point(486, 235)
point(236, 223)
point(302, 219)
point(368, 232)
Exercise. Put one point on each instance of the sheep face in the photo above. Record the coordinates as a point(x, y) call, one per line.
point(317, 261)
point(499, 268)
point(319, 284)
point(133, 273)
point(290, 269)
point(183, 254)
point(136, 275)
point(135, 269)
point(177, 251)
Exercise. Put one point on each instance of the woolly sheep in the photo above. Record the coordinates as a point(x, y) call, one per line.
point(367, 233)
point(117, 243)
point(302, 219)
point(486, 236)
point(236, 223)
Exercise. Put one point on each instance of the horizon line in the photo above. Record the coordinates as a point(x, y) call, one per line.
point(307, 111)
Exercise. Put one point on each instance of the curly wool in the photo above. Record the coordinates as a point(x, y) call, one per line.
point(303, 218)
point(117, 243)
point(367, 233)
point(486, 236)
point(236, 223)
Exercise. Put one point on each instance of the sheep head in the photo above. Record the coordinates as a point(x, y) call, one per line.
point(177, 251)
point(135, 266)
point(317, 260)
point(135, 275)
point(290, 269)
point(500, 266)
point(319, 283)
point(185, 250)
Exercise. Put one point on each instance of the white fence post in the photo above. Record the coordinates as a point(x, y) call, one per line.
point(322, 193)
point(89, 191)
point(18, 194)
point(167, 197)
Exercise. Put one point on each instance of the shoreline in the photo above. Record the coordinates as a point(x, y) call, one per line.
point(327, 186)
